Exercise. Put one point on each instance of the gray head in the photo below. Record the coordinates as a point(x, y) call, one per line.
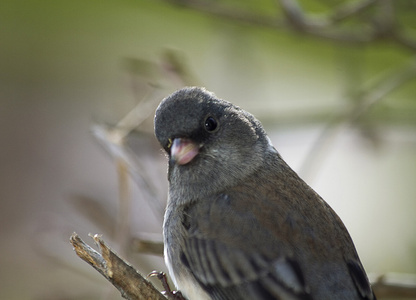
point(211, 143)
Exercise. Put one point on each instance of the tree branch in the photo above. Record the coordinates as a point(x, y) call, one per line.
point(122, 275)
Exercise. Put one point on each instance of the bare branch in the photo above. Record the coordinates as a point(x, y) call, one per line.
point(122, 275)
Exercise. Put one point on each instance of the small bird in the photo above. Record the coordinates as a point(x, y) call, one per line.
point(239, 222)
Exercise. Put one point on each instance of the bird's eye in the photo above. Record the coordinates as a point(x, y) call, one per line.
point(210, 124)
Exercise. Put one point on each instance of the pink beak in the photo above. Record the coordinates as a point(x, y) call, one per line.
point(183, 150)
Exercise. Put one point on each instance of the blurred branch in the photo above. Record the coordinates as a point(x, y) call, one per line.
point(295, 15)
point(118, 150)
point(232, 13)
point(147, 246)
point(172, 67)
point(123, 276)
point(369, 97)
point(363, 101)
point(175, 66)
point(349, 9)
point(147, 79)
point(395, 286)
point(380, 25)
point(135, 117)
point(124, 216)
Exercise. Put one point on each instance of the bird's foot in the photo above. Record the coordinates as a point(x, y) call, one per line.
point(171, 295)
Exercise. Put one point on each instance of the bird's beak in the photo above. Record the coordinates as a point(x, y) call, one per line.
point(182, 150)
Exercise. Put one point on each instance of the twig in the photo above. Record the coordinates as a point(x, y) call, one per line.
point(122, 275)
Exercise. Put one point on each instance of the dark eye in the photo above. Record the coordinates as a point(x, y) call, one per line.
point(210, 124)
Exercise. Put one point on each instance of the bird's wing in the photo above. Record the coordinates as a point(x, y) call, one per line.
point(236, 254)
point(228, 273)
point(230, 265)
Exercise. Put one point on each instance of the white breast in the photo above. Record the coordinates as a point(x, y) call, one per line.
point(186, 285)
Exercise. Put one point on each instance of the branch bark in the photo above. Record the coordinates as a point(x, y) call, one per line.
point(122, 275)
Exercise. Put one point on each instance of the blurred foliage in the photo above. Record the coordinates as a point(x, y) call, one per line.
point(385, 66)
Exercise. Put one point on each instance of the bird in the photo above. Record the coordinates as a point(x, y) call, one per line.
point(239, 222)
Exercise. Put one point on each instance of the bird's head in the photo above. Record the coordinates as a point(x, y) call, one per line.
point(209, 141)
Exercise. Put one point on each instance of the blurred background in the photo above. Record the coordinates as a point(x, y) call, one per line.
point(333, 82)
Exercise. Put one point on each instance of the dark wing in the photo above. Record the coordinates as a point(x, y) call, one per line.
point(240, 249)
point(231, 265)
point(227, 273)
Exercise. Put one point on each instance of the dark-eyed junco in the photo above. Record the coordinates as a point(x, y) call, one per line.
point(240, 223)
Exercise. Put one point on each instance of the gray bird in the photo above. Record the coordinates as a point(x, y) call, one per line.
point(239, 222)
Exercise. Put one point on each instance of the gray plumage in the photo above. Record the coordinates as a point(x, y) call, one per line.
point(240, 223)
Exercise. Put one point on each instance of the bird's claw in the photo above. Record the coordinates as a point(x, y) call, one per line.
point(171, 295)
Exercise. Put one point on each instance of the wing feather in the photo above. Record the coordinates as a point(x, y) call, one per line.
point(268, 265)
point(239, 275)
